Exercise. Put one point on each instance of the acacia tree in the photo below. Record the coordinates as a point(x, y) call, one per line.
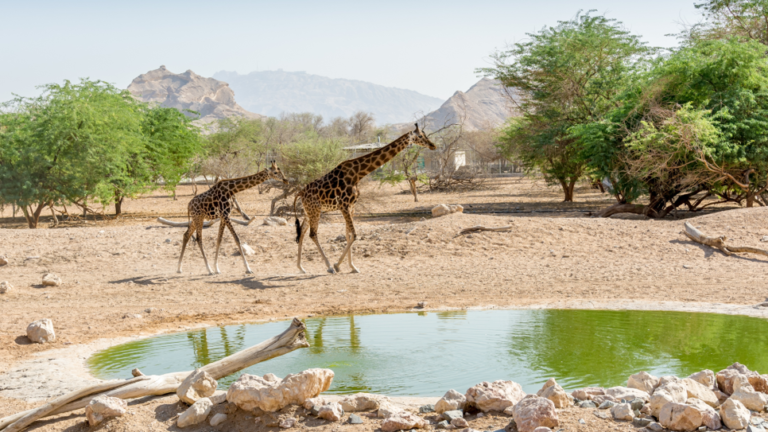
point(568, 75)
point(64, 145)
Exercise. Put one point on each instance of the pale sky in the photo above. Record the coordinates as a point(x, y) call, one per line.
point(432, 47)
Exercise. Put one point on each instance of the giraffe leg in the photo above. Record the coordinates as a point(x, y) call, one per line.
point(222, 225)
point(314, 222)
point(350, 239)
point(202, 251)
point(187, 235)
point(240, 246)
point(304, 228)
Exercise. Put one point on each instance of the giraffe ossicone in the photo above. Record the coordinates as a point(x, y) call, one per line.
point(215, 204)
point(337, 190)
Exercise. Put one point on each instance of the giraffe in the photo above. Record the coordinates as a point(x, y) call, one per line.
point(337, 190)
point(214, 204)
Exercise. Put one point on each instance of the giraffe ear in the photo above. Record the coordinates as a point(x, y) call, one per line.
point(274, 165)
point(417, 127)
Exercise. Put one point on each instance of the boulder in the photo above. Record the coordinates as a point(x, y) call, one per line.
point(643, 381)
point(734, 414)
point(725, 379)
point(680, 417)
point(533, 412)
point(623, 411)
point(5, 286)
point(556, 394)
point(451, 415)
point(442, 210)
point(315, 401)
point(252, 391)
point(709, 417)
point(740, 368)
point(195, 414)
point(331, 412)
point(51, 279)
point(274, 221)
point(757, 381)
point(700, 391)
point(750, 398)
point(360, 402)
point(671, 392)
point(706, 377)
point(620, 393)
point(103, 407)
point(402, 420)
point(599, 400)
point(218, 419)
point(218, 397)
point(588, 393)
point(451, 400)
point(202, 385)
point(41, 331)
point(495, 396)
point(386, 409)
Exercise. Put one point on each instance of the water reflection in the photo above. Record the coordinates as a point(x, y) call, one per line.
point(429, 353)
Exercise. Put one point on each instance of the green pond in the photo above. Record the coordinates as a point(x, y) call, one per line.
point(428, 353)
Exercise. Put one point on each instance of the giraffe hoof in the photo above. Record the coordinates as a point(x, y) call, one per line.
point(337, 268)
point(354, 270)
point(249, 272)
point(331, 271)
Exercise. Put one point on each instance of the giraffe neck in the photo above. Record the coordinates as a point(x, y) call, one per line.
point(235, 185)
point(366, 164)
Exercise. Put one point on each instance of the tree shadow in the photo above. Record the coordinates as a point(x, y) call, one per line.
point(710, 251)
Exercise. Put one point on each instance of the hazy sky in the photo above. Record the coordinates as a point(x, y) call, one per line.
point(432, 47)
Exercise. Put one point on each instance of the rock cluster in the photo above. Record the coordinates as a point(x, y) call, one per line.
point(270, 394)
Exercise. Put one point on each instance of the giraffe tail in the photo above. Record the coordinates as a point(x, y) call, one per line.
point(298, 225)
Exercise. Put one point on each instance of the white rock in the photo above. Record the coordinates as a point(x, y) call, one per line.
point(41, 331)
point(709, 417)
point(402, 420)
point(556, 394)
point(287, 423)
point(386, 409)
point(103, 407)
point(643, 381)
point(533, 412)
point(251, 391)
point(670, 392)
point(495, 396)
point(315, 401)
point(700, 391)
point(666, 379)
point(620, 393)
point(734, 414)
point(459, 423)
point(360, 402)
point(195, 414)
point(542, 429)
point(219, 397)
point(623, 412)
point(203, 385)
point(451, 400)
point(725, 379)
point(750, 399)
point(5, 286)
point(331, 412)
point(680, 417)
point(218, 419)
point(51, 279)
point(588, 393)
point(274, 221)
point(706, 377)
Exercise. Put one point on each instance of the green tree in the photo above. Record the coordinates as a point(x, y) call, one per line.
point(569, 74)
point(745, 19)
point(67, 145)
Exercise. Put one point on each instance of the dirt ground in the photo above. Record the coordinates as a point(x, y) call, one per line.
point(114, 269)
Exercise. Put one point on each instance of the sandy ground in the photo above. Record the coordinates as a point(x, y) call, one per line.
point(115, 269)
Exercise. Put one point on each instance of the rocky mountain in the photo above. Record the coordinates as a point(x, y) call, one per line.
point(212, 98)
point(275, 92)
point(485, 105)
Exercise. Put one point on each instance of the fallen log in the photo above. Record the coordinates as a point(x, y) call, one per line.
point(718, 242)
point(20, 421)
point(154, 385)
point(478, 228)
point(206, 224)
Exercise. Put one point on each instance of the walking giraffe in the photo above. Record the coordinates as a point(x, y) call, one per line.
point(214, 204)
point(337, 190)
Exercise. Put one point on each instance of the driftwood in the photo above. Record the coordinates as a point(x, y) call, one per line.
point(291, 339)
point(478, 228)
point(206, 224)
point(20, 421)
point(718, 242)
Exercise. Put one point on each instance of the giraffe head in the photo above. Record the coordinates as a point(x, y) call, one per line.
point(275, 173)
point(418, 137)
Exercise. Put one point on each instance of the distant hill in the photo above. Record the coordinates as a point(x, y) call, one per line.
point(484, 106)
point(213, 99)
point(275, 92)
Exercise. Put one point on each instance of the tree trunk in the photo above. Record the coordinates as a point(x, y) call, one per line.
point(750, 199)
point(34, 217)
point(568, 189)
point(53, 214)
point(412, 184)
point(118, 204)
